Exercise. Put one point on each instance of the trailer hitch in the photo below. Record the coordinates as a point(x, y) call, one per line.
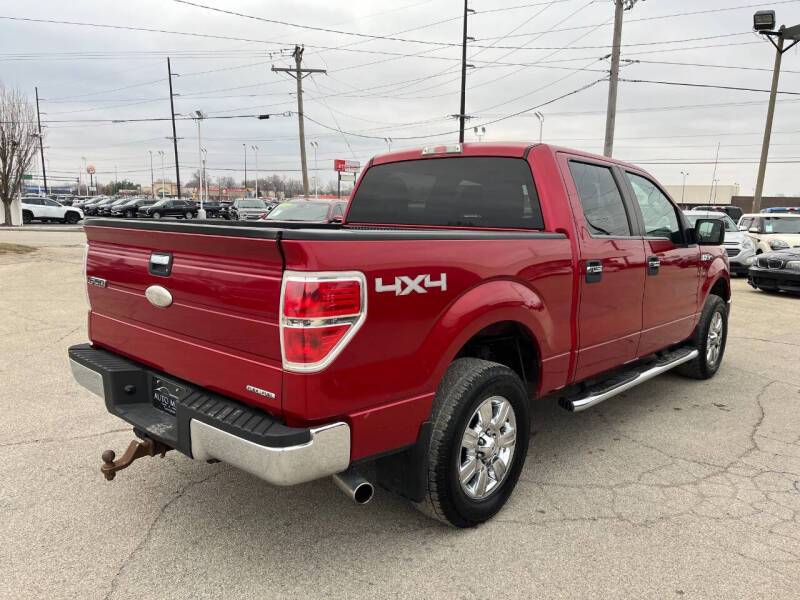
point(136, 449)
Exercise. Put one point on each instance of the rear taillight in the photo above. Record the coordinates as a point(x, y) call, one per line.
point(320, 313)
point(86, 278)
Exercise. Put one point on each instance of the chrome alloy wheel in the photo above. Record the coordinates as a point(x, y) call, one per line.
point(714, 342)
point(487, 447)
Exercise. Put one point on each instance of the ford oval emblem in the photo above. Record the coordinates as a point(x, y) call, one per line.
point(158, 296)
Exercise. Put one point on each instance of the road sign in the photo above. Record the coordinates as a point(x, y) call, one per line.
point(347, 177)
point(27, 177)
point(346, 166)
point(90, 169)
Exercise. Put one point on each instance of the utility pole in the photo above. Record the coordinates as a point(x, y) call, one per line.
point(540, 116)
point(611, 112)
point(174, 134)
point(792, 34)
point(462, 117)
point(41, 140)
point(254, 148)
point(299, 73)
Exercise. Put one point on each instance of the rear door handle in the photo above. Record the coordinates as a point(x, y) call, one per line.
point(594, 271)
point(653, 263)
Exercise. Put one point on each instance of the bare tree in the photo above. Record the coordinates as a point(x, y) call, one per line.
point(17, 143)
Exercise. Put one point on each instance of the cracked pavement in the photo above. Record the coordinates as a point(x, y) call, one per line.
point(675, 489)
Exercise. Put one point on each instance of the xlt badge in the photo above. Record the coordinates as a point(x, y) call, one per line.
point(259, 391)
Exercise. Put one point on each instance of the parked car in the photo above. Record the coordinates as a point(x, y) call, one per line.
point(244, 209)
point(93, 209)
point(183, 209)
point(740, 248)
point(213, 209)
point(130, 208)
point(310, 211)
point(776, 271)
point(772, 231)
point(105, 210)
point(461, 287)
point(734, 212)
point(781, 209)
point(37, 208)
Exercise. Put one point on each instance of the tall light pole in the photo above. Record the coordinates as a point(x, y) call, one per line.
point(83, 158)
point(254, 148)
point(714, 186)
point(388, 141)
point(315, 145)
point(683, 189)
point(163, 173)
point(198, 116)
point(764, 23)
point(479, 132)
point(540, 116)
point(203, 177)
point(152, 181)
point(244, 146)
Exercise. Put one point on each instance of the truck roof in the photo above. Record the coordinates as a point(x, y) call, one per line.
point(508, 149)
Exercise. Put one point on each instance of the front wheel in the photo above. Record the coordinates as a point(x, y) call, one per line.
point(709, 338)
point(188, 214)
point(129, 214)
point(156, 215)
point(27, 217)
point(479, 442)
point(72, 218)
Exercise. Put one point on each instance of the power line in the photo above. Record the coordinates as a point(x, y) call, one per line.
point(706, 85)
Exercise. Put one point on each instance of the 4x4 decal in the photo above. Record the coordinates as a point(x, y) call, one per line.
point(403, 285)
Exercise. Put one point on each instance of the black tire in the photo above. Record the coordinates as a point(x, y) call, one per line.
point(72, 217)
point(702, 367)
point(129, 214)
point(188, 214)
point(27, 217)
point(467, 383)
point(156, 215)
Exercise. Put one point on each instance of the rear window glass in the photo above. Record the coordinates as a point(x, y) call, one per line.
point(469, 191)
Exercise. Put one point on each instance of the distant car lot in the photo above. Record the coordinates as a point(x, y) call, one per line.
point(673, 490)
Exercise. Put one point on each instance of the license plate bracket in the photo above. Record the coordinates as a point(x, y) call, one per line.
point(166, 394)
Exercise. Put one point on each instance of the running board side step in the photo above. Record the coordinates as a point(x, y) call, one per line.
point(626, 380)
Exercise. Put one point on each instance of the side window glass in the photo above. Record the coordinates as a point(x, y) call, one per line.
point(601, 200)
point(745, 224)
point(660, 218)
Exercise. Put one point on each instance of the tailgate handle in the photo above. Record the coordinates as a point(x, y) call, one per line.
point(160, 264)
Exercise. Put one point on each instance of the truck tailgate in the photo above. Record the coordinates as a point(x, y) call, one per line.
point(221, 329)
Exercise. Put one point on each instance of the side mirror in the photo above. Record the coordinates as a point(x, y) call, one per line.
point(337, 219)
point(753, 230)
point(709, 232)
point(742, 228)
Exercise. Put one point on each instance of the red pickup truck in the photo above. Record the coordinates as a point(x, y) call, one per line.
point(465, 281)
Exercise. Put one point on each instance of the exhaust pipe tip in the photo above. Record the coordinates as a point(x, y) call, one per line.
point(355, 487)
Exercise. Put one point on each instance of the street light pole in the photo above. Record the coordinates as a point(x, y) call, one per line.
point(255, 152)
point(683, 189)
point(163, 173)
point(83, 158)
point(244, 146)
point(152, 181)
point(540, 116)
point(199, 115)
point(315, 145)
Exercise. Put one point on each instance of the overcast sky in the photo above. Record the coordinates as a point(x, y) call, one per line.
point(526, 53)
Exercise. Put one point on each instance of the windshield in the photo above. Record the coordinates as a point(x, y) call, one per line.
point(729, 224)
point(300, 211)
point(161, 202)
point(254, 203)
point(782, 225)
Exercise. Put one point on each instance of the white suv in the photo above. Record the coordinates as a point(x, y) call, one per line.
point(44, 209)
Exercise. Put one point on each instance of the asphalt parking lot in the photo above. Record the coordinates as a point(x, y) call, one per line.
point(676, 489)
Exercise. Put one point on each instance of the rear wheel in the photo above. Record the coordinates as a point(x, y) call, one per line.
point(479, 442)
point(709, 338)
